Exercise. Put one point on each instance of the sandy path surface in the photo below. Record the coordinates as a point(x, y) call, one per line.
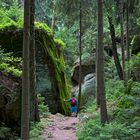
point(60, 128)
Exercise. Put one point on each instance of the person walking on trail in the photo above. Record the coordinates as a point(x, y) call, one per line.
point(73, 105)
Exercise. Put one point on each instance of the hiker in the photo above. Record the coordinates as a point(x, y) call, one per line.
point(73, 105)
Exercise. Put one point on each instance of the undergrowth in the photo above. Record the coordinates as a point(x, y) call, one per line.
point(6, 134)
point(37, 127)
point(9, 64)
point(123, 104)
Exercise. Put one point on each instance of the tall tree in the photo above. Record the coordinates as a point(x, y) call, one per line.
point(100, 65)
point(53, 16)
point(122, 39)
point(25, 75)
point(127, 34)
point(34, 114)
point(114, 48)
point(80, 53)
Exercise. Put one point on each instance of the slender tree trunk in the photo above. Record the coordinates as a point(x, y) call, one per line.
point(53, 17)
point(25, 75)
point(34, 113)
point(100, 64)
point(114, 49)
point(80, 53)
point(127, 35)
point(122, 41)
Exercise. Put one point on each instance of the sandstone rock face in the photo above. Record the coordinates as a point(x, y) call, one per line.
point(87, 89)
point(51, 80)
point(86, 69)
point(10, 100)
point(44, 86)
point(87, 77)
point(87, 66)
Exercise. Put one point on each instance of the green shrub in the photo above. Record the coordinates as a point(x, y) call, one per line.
point(10, 64)
point(43, 108)
point(6, 134)
point(123, 109)
point(36, 130)
point(134, 62)
point(93, 130)
point(11, 16)
point(114, 89)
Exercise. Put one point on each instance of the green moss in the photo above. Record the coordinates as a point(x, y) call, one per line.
point(10, 69)
point(59, 42)
point(59, 71)
point(6, 21)
point(44, 27)
point(52, 48)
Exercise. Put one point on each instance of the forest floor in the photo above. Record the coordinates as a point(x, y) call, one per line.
point(60, 128)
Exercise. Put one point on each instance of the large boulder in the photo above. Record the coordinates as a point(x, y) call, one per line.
point(10, 100)
point(87, 66)
point(86, 69)
point(87, 89)
point(50, 66)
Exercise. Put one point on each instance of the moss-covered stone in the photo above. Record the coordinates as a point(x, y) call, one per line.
point(50, 51)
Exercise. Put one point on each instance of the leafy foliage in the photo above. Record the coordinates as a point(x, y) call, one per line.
point(93, 130)
point(11, 16)
point(67, 35)
point(134, 62)
point(36, 130)
point(43, 109)
point(8, 64)
point(123, 110)
point(6, 134)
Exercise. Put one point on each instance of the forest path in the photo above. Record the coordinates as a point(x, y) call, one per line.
point(60, 128)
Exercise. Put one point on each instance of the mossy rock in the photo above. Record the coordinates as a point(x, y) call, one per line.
point(49, 52)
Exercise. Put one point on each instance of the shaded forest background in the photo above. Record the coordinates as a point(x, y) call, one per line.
point(77, 26)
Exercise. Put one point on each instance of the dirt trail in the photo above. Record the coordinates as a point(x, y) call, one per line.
point(60, 128)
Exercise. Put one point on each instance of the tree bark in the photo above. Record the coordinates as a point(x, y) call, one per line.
point(127, 36)
point(122, 41)
point(25, 75)
point(80, 53)
point(34, 113)
point(53, 17)
point(100, 65)
point(114, 49)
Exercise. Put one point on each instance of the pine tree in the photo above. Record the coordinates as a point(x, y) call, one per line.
point(25, 75)
point(34, 114)
point(101, 100)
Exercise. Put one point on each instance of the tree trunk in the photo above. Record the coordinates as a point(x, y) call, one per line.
point(114, 49)
point(34, 113)
point(127, 35)
point(53, 17)
point(80, 53)
point(100, 65)
point(122, 41)
point(25, 75)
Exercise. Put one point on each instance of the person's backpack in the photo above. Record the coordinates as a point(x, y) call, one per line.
point(73, 102)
